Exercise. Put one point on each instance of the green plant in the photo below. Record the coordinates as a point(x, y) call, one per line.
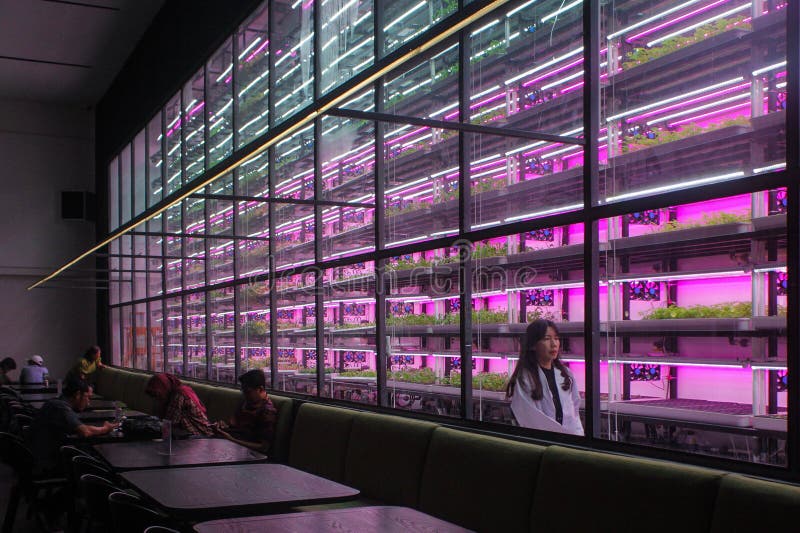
point(662, 136)
point(358, 374)
point(257, 328)
point(328, 370)
point(483, 251)
point(538, 313)
point(423, 376)
point(714, 219)
point(720, 310)
point(640, 56)
point(489, 381)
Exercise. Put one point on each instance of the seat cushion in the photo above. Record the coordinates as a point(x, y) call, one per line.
point(590, 491)
point(745, 504)
point(135, 396)
point(479, 482)
point(395, 447)
point(319, 440)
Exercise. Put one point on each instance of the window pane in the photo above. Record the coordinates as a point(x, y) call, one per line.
point(114, 273)
point(139, 263)
point(296, 323)
point(293, 36)
point(405, 19)
point(294, 235)
point(222, 319)
point(125, 184)
point(513, 179)
point(127, 336)
point(140, 333)
point(252, 81)
point(155, 161)
point(423, 333)
point(694, 96)
point(695, 336)
point(420, 172)
point(139, 173)
point(126, 267)
point(293, 171)
point(174, 127)
point(347, 41)
point(253, 251)
point(175, 337)
point(156, 335)
point(113, 194)
point(429, 89)
point(116, 337)
point(196, 335)
point(193, 137)
point(349, 340)
point(219, 88)
point(254, 324)
point(348, 164)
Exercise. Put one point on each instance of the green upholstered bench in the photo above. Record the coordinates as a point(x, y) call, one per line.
point(479, 482)
point(590, 491)
point(129, 386)
point(744, 505)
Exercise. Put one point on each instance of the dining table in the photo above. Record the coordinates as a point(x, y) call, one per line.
point(377, 519)
point(109, 414)
point(145, 454)
point(212, 492)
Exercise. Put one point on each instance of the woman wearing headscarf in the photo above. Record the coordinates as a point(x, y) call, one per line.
point(179, 403)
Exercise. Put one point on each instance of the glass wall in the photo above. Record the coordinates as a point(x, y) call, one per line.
point(344, 261)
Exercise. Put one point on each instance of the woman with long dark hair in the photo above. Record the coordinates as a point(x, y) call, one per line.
point(542, 390)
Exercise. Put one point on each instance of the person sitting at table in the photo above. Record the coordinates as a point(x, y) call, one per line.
point(179, 403)
point(253, 423)
point(56, 420)
point(34, 372)
point(87, 366)
point(6, 366)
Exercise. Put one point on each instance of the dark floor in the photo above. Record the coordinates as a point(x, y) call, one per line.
point(21, 524)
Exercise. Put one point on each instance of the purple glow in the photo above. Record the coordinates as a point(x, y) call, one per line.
point(676, 20)
point(687, 102)
point(256, 52)
point(745, 105)
point(553, 72)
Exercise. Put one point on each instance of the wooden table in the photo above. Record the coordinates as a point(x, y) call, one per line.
point(366, 519)
point(32, 387)
point(189, 452)
point(210, 492)
point(108, 414)
point(44, 396)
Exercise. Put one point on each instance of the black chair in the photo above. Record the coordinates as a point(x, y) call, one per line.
point(77, 505)
point(21, 421)
point(37, 491)
point(131, 515)
point(83, 464)
point(95, 491)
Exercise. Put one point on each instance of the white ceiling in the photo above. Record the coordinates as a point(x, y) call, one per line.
point(67, 51)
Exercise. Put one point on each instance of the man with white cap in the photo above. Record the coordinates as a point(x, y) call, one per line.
point(34, 372)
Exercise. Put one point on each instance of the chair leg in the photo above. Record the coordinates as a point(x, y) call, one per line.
point(13, 504)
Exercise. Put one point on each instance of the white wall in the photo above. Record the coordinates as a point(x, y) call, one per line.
point(44, 149)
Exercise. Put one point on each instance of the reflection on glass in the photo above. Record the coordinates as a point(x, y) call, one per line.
point(697, 336)
point(347, 40)
point(195, 305)
point(665, 129)
point(174, 127)
point(126, 187)
point(126, 267)
point(193, 134)
point(113, 194)
point(294, 235)
point(139, 262)
point(422, 323)
point(219, 93)
point(421, 183)
point(294, 165)
point(254, 324)
point(156, 333)
point(155, 161)
point(221, 323)
point(405, 19)
point(116, 336)
point(114, 274)
point(349, 341)
point(427, 90)
point(174, 331)
point(293, 45)
point(127, 336)
point(139, 334)
point(252, 81)
point(253, 251)
point(139, 173)
point(296, 342)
